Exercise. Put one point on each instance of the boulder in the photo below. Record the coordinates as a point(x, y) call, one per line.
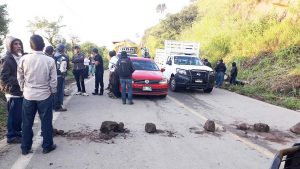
point(150, 128)
point(108, 126)
point(243, 126)
point(121, 127)
point(261, 127)
point(210, 126)
point(296, 128)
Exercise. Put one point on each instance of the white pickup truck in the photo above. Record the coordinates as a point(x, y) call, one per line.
point(184, 68)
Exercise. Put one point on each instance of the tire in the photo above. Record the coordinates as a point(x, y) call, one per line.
point(208, 90)
point(163, 96)
point(173, 84)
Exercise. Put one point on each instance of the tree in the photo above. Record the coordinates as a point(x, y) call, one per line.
point(49, 30)
point(3, 24)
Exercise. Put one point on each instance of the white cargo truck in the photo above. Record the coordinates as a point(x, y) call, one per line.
point(183, 67)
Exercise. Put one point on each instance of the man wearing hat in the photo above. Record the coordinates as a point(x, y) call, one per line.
point(125, 69)
point(61, 67)
point(98, 72)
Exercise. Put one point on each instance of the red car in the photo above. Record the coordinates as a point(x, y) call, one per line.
point(148, 78)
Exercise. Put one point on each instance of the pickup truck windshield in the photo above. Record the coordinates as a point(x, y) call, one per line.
point(187, 60)
point(144, 65)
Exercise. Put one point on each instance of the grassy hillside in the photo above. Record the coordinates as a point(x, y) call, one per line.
point(262, 36)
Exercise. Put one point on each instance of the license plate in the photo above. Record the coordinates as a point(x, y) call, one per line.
point(198, 81)
point(147, 88)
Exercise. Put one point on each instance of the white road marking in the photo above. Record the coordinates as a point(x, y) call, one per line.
point(260, 149)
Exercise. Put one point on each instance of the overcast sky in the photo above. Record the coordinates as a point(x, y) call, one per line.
point(98, 21)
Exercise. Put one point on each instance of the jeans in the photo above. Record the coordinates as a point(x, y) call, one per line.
point(219, 79)
point(14, 120)
point(59, 95)
point(233, 80)
point(91, 69)
point(79, 77)
point(44, 108)
point(128, 83)
point(99, 80)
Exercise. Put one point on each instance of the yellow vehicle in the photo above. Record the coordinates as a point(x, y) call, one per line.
point(130, 47)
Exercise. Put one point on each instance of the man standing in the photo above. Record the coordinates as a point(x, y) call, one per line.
point(125, 69)
point(61, 67)
point(10, 86)
point(98, 72)
point(37, 77)
point(78, 71)
point(220, 69)
point(114, 81)
point(206, 62)
point(233, 74)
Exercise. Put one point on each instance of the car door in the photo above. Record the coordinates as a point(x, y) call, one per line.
point(168, 68)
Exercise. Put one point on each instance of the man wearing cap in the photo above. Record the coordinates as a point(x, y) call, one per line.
point(125, 69)
point(78, 70)
point(61, 67)
point(10, 86)
point(98, 72)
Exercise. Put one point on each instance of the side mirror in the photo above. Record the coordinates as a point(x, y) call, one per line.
point(162, 69)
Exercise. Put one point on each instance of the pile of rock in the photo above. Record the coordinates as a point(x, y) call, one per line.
point(110, 129)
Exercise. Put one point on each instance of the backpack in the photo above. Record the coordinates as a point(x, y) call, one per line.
point(58, 61)
point(123, 67)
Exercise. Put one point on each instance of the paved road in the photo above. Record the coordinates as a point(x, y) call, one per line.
point(182, 144)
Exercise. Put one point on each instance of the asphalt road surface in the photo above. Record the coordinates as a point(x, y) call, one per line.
point(181, 143)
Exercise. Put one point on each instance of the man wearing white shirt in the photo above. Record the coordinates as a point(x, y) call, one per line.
point(37, 78)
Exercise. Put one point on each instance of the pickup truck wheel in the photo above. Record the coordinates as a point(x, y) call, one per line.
point(173, 84)
point(208, 90)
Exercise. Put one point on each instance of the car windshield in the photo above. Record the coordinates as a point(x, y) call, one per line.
point(187, 60)
point(144, 65)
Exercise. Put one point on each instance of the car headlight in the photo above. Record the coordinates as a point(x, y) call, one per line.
point(181, 71)
point(211, 73)
point(163, 81)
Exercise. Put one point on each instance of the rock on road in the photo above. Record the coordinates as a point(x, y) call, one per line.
point(181, 144)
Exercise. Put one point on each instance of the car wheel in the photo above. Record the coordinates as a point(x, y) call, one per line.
point(173, 84)
point(208, 90)
point(163, 96)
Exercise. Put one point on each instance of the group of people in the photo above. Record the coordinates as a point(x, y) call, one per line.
point(35, 82)
point(221, 71)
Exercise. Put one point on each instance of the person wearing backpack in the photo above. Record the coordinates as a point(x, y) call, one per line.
point(125, 69)
point(61, 68)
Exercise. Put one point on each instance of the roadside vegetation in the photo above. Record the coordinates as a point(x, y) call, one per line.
point(260, 36)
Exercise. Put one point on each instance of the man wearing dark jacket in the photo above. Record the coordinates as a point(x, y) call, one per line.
point(125, 69)
point(206, 62)
point(78, 71)
point(98, 72)
point(233, 74)
point(10, 86)
point(220, 69)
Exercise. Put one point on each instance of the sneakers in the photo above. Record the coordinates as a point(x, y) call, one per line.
point(95, 93)
point(84, 94)
point(78, 93)
point(16, 140)
point(48, 150)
